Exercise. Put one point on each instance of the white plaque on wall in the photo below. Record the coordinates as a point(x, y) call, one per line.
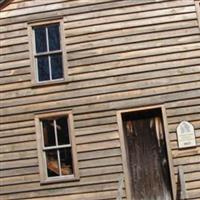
point(186, 135)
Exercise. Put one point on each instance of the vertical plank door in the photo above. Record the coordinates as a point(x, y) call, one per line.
point(147, 157)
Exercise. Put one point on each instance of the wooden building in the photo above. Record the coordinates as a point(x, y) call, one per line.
point(92, 93)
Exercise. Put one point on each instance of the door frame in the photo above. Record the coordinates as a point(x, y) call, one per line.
point(124, 154)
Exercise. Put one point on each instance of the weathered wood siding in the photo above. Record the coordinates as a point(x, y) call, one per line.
point(121, 54)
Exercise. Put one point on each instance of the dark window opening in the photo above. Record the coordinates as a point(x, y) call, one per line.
point(48, 53)
point(57, 146)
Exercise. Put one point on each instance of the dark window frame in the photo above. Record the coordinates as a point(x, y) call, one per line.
point(44, 179)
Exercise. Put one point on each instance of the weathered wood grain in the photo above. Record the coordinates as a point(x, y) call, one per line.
point(121, 55)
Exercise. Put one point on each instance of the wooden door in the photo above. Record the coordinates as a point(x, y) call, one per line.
point(146, 155)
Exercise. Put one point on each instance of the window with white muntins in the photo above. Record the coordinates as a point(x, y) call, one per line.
point(56, 147)
point(48, 53)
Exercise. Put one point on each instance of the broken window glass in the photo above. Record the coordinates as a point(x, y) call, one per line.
point(49, 133)
point(62, 131)
point(66, 161)
point(52, 163)
point(57, 146)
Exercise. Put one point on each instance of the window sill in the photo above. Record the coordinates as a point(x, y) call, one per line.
point(49, 83)
point(52, 180)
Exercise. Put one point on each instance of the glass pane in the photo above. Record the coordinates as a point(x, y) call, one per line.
point(49, 133)
point(62, 131)
point(43, 68)
point(66, 161)
point(56, 66)
point(40, 39)
point(52, 163)
point(54, 37)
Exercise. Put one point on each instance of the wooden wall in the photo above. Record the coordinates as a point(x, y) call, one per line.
point(121, 54)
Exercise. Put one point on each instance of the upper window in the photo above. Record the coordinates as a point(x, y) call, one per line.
point(56, 147)
point(48, 54)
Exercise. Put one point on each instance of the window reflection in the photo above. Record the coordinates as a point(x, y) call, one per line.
point(54, 37)
point(56, 66)
point(40, 39)
point(48, 52)
point(43, 68)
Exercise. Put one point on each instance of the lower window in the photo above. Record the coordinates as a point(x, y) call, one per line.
point(56, 147)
